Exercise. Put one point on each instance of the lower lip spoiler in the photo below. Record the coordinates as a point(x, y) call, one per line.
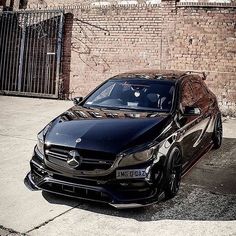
point(136, 205)
point(29, 182)
point(128, 205)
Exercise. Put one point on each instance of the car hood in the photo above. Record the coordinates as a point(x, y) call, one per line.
point(106, 131)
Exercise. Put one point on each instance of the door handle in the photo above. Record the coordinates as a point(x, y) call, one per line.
point(180, 133)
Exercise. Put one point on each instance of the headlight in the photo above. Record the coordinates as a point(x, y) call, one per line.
point(40, 143)
point(138, 157)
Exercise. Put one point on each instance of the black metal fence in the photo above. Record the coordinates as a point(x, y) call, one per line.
point(30, 52)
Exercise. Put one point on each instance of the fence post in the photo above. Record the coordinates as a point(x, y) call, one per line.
point(22, 49)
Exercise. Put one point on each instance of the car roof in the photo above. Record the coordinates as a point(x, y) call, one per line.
point(151, 74)
point(157, 74)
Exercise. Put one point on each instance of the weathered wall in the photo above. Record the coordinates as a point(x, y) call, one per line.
point(205, 39)
point(48, 3)
point(112, 40)
point(109, 40)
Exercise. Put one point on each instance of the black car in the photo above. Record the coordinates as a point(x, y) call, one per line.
point(129, 141)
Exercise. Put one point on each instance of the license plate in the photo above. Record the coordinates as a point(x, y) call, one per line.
point(131, 174)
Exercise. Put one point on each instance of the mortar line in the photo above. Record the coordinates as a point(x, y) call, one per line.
point(52, 219)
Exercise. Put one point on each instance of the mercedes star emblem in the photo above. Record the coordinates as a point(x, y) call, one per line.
point(73, 159)
point(78, 140)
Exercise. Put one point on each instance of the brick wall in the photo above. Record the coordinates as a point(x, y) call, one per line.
point(103, 41)
point(205, 39)
point(109, 40)
point(49, 3)
point(66, 59)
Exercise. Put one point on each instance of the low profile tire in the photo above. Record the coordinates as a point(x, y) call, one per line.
point(218, 133)
point(173, 173)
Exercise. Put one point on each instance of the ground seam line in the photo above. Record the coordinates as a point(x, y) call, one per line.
point(50, 220)
point(9, 231)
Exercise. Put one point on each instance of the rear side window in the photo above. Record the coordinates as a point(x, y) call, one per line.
point(200, 95)
point(186, 98)
point(199, 91)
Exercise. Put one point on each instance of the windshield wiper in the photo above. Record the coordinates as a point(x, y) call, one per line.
point(87, 107)
point(122, 109)
point(127, 109)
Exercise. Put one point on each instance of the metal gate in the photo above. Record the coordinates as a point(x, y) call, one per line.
point(30, 52)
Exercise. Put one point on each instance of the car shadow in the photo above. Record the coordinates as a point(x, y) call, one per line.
point(208, 192)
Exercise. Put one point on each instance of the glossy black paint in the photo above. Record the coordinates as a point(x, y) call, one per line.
point(103, 137)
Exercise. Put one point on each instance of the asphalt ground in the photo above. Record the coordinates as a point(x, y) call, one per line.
point(205, 205)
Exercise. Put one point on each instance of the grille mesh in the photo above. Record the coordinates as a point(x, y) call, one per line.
point(89, 160)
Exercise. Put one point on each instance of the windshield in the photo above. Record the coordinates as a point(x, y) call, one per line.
point(134, 94)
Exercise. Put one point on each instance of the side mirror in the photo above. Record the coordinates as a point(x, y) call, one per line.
point(77, 100)
point(192, 111)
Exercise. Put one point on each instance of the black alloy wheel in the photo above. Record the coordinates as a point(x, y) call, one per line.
point(218, 133)
point(173, 173)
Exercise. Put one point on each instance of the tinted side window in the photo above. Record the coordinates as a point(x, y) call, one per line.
point(186, 98)
point(199, 91)
point(200, 95)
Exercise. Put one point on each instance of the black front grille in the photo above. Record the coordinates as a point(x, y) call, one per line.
point(89, 160)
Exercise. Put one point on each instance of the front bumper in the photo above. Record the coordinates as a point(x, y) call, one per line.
point(117, 193)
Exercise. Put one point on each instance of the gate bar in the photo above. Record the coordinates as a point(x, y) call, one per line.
point(22, 47)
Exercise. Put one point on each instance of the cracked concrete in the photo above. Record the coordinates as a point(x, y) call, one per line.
point(205, 205)
point(50, 220)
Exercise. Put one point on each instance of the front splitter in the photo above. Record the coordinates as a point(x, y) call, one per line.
point(30, 184)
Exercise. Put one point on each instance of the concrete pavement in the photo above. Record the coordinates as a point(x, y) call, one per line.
point(205, 205)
